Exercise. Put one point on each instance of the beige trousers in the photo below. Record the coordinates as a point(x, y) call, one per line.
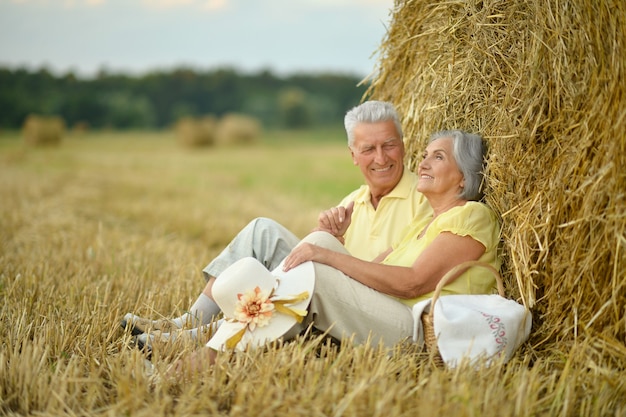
point(346, 308)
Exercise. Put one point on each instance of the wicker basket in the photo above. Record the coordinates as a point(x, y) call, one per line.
point(430, 339)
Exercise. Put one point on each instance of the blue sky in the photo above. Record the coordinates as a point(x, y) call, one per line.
point(135, 36)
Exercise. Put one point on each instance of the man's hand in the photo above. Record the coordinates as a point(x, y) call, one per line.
point(336, 220)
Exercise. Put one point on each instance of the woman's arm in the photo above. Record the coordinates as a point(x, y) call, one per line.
point(445, 252)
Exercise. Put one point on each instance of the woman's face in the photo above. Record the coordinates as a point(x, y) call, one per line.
point(439, 175)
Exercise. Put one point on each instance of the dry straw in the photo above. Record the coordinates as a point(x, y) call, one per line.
point(543, 82)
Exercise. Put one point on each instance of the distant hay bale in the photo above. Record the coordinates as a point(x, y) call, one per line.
point(81, 128)
point(194, 132)
point(43, 130)
point(236, 129)
point(543, 82)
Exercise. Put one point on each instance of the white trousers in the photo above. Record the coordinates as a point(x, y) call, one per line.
point(346, 308)
point(263, 239)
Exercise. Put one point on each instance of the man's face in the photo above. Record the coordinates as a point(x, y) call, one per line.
point(379, 153)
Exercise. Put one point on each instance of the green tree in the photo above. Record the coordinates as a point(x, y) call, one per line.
point(294, 109)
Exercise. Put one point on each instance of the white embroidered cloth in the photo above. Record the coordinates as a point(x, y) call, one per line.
point(475, 326)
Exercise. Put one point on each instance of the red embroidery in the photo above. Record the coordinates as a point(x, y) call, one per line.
point(498, 331)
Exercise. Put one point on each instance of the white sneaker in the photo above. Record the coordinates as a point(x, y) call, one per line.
point(140, 325)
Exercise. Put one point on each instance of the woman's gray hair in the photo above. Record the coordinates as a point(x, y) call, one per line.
point(370, 112)
point(469, 152)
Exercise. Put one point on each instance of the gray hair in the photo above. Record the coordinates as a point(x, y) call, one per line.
point(370, 112)
point(469, 152)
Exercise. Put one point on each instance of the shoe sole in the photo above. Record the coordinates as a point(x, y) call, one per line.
point(134, 331)
point(144, 348)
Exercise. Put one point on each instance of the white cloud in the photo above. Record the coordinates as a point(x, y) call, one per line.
point(214, 5)
point(166, 4)
point(70, 4)
point(67, 4)
point(208, 5)
point(327, 3)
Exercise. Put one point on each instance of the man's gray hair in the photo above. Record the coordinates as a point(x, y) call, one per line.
point(469, 152)
point(370, 112)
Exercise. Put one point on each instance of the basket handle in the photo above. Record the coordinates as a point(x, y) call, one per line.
point(454, 271)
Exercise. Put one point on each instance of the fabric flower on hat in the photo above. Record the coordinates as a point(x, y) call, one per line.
point(254, 308)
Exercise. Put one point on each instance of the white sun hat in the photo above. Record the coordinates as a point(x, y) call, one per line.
point(259, 306)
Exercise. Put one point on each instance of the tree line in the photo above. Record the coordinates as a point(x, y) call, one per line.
point(158, 99)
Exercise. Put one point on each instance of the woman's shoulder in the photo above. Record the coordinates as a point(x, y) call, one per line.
point(471, 217)
point(472, 209)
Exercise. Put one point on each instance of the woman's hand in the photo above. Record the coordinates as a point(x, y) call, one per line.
point(302, 253)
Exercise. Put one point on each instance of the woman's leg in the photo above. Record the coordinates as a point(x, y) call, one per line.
point(346, 308)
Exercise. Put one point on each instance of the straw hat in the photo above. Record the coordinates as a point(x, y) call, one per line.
point(259, 306)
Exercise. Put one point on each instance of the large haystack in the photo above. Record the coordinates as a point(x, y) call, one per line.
point(543, 81)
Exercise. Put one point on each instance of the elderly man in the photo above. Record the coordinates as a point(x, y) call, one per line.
point(368, 220)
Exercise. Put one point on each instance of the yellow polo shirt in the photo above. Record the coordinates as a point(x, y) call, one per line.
point(374, 231)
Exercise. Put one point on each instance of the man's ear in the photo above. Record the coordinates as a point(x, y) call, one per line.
point(354, 160)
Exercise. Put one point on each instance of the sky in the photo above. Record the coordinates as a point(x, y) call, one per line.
point(137, 36)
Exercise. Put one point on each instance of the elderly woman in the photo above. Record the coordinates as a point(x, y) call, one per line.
point(373, 300)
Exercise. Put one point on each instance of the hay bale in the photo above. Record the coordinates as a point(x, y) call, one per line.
point(81, 128)
point(194, 132)
point(543, 81)
point(43, 130)
point(237, 129)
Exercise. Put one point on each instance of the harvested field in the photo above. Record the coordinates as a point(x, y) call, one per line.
point(102, 226)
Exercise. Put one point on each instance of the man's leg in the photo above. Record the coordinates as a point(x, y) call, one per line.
point(263, 238)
